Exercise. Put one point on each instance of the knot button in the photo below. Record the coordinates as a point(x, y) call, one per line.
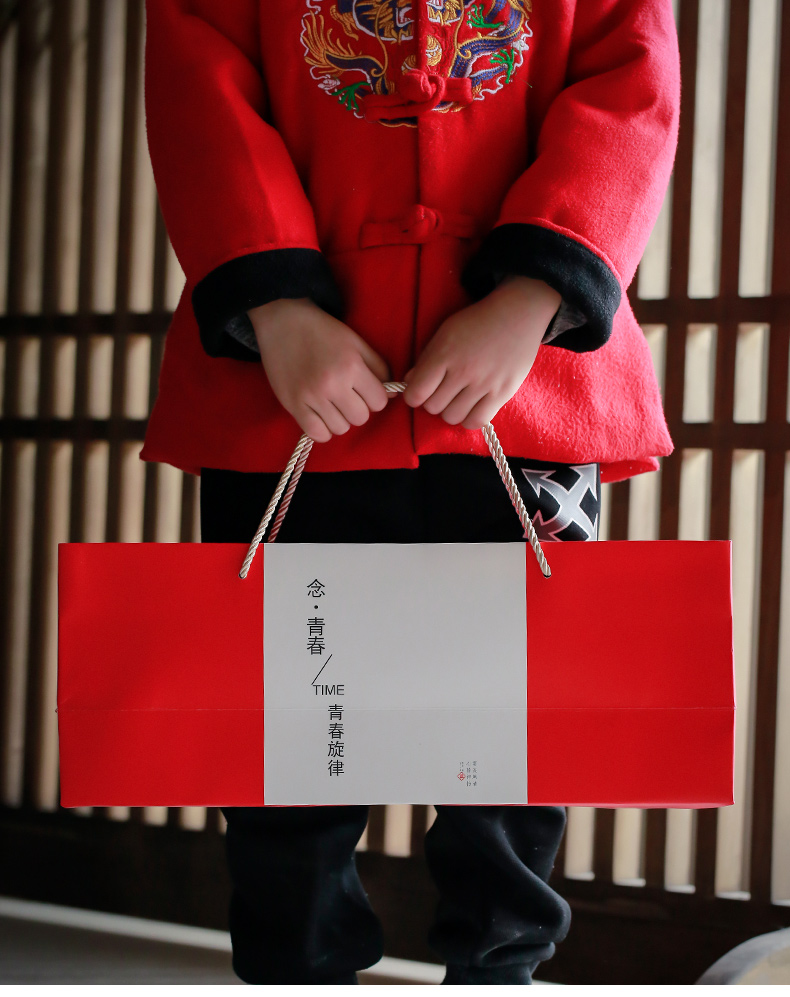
point(421, 222)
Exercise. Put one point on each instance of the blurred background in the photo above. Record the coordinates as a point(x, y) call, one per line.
point(87, 284)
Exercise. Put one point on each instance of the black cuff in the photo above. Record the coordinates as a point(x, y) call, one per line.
point(581, 277)
point(232, 288)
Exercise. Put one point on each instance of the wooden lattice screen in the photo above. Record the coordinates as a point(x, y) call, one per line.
point(87, 283)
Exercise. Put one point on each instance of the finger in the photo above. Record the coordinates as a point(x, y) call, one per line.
point(372, 392)
point(451, 386)
point(481, 413)
point(377, 364)
point(424, 379)
point(352, 407)
point(335, 420)
point(460, 407)
point(312, 424)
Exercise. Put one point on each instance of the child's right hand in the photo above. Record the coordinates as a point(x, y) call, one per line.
point(320, 370)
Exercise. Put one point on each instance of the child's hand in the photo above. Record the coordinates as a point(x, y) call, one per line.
point(479, 357)
point(320, 370)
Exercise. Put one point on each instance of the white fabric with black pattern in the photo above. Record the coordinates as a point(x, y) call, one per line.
point(563, 500)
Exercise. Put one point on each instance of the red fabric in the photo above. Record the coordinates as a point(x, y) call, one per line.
point(161, 658)
point(251, 152)
point(418, 92)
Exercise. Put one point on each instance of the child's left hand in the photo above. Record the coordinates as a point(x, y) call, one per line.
point(479, 357)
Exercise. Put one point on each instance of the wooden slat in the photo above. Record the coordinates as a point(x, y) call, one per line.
point(770, 437)
point(134, 15)
point(419, 827)
point(603, 844)
point(61, 58)
point(67, 429)
point(151, 499)
point(734, 131)
point(188, 508)
point(559, 860)
point(726, 307)
point(84, 324)
point(376, 829)
point(738, 436)
point(766, 687)
point(213, 818)
point(603, 834)
point(83, 432)
point(119, 320)
point(84, 428)
point(675, 363)
point(42, 555)
point(131, 95)
point(701, 311)
point(780, 277)
point(724, 390)
point(18, 236)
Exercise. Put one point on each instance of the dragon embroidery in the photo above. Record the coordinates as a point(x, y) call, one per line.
point(358, 47)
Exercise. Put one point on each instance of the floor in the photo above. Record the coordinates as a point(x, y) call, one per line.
point(44, 943)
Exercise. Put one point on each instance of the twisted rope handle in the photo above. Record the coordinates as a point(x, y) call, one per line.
point(297, 462)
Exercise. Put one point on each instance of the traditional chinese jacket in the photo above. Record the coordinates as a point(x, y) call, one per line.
point(391, 160)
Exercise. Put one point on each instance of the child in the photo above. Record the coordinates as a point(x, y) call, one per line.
point(451, 194)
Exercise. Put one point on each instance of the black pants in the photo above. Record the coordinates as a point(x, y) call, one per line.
point(298, 911)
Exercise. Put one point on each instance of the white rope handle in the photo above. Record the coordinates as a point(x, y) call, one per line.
point(297, 462)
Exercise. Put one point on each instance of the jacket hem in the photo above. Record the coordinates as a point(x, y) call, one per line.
point(611, 471)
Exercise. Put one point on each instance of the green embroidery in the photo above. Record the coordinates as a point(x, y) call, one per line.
point(476, 17)
point(348, 95)
point(505, 57)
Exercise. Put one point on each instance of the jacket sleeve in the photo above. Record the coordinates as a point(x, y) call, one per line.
point(580, 215)
point(234, 207)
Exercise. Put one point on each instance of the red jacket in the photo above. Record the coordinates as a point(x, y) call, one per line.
point(390, 159)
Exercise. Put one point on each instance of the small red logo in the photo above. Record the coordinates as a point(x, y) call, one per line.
point(461, 776)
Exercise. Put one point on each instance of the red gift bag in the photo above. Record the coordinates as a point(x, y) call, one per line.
point(628, 674)
point(385, 673)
